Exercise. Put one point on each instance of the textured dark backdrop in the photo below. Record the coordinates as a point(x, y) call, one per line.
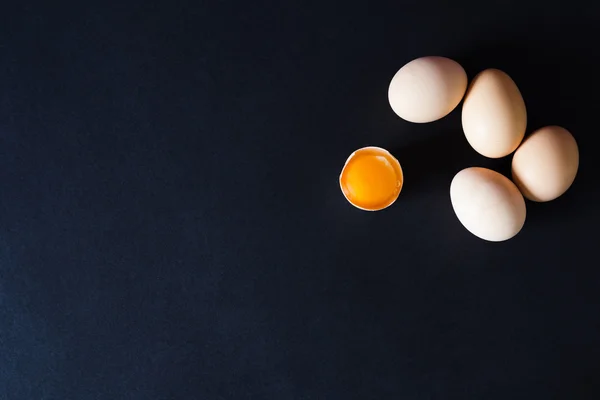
point(171, 225)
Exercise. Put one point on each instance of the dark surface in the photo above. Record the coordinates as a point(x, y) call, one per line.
point(171, 225)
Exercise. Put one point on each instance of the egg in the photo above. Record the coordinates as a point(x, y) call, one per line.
point(427, 89)
point(487, 203)
point(371, 179)
point(494, 117)
point(545, 165)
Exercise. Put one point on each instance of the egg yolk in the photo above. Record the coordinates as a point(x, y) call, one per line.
point(371, 179)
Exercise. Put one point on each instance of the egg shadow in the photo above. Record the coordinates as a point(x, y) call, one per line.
point(554, 77)
point(437, 158)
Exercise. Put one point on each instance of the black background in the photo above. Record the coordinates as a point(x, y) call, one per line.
point(171, 224)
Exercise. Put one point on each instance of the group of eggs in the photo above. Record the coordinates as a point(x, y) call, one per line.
point(494, 120)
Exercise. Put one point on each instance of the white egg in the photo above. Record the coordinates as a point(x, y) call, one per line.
point(487, 203)
point(427, 89)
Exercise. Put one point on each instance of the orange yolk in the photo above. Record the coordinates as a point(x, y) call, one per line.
point(371, 179)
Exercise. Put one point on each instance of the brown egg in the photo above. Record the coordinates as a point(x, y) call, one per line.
point(487, 203)
point(494, 117)
point(427, 89)
point(545, 165)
